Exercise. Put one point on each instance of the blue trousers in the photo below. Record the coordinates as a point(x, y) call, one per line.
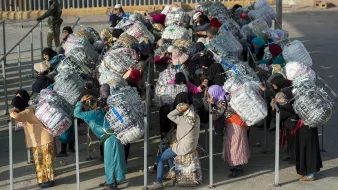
point(169, 155)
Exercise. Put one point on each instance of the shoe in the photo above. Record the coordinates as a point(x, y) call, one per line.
point(111, 187)
point(47, 185)
point(62, 154)
point(170, 183)
point(305, 178)
point(102, 184)
point(236, 173)
point(300, 176)
point(156, 186)
point(71, 150)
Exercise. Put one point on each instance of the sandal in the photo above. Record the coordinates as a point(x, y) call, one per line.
point(151, 170)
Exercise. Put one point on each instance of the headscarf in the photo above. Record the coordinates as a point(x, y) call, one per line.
point(280, 82)
point(24, 95)
point(159, 18)
point(180, 98)
point(104, 91)
point(19, 103)
point(217, 92)
point(90, 103)
point(204, 20)
point(180, 78)
point(69, 29)
point(215, 23)
point(50, 52)
point(196, 48)
point(41, 82)
point(135, 75)
point(275, 51)
point(219, 80)
point(213, 70)
point(189, 115)
point(259, 42)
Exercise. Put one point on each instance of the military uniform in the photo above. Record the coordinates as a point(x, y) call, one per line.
point(54, 22)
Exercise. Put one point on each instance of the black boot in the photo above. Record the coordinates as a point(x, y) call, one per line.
point(63, 152)
point(126, 151)
point(71, 147)
point(238, 171)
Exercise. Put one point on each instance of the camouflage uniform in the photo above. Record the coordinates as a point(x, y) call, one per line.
point(54, 22)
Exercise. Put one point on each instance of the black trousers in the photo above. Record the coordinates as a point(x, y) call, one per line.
point(64, 147)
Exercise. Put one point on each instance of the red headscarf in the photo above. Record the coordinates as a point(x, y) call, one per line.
point(275, 51)
point(135, 75)
point(215, 23)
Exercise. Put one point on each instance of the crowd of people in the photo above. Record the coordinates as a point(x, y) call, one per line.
point(193, 81)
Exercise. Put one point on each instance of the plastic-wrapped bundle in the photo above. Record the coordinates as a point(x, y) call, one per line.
point(131, 53)
point(169, 74)
point(244, 70)
point(182, 45)
point(72, 63)
point(127, 41)
point(169, 8)
point(84, 34)
point(233, 27)
point(138, 17)
point(174, 32)
point(234, 82)
point(159, 51)
point(296, 52)
point(93, 32)
point(118, 63)
point(165, 94)
point(298, 72)
point(131, 135)
point(54, 118)
point(69, 85)
point(217, 9)
point(98, 45)
point(260, 4)
point(276, 35)
point(124, 24)
point(247, 31)
point(313, 105)
point(263, 10)
point(257, 26)
point(188, 170)
point(127, 94)
point(107, 33)
point(203, 6)
point(225, 44)
point(75, 42)
point(249, 104)
point(176, 18)
point(50, 96)
point(139, 31)
point(86, 56)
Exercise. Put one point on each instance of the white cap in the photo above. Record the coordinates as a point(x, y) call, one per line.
point(196, 15)
point(170, 49)
point(117, 6)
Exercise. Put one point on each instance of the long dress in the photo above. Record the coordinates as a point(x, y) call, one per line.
point(308, 158)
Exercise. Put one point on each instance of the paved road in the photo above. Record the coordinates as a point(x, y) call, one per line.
point(317, 30)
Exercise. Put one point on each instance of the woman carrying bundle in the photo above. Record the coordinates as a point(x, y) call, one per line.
point(114, 158)
point(116, 15)
point(38, 139)
point(277, 57)
point(188, 127)
point(258, 47)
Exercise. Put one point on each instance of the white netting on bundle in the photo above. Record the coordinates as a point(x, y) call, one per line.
point(166, 94)
point(296, 52)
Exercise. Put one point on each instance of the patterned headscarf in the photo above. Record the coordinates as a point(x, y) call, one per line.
point(217, 92)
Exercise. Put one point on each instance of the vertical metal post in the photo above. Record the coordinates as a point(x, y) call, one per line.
point(87, 4)
point(19, 66)
point(11, 187)
point(145, 154)
point(5, 6)
point(39, 5)
point(32, 53)
point(73, 4)
point(148, 103)
point(88, 142)
point(77, 155)
point(43, 5)
point(265, 129)
point(279, 11)
point(29, 160)
point(64, 4)
point(68, 3)
point(4, 65)
point(11, 6)
point(30, 5)
point(93, 5)
point(25, 5)
point(78, 4)
point(277, 146)
point(211, 154)
point(15, 5)
point(41, 41)
point(102, 3)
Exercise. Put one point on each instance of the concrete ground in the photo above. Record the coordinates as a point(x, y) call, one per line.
point(316, 29)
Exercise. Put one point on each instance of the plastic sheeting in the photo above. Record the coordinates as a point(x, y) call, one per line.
point(249, 104)
point(140, 31)
point(203, 6)
point(219, 11)
point(313, 104)
point(177, 18)
point(72, 63)
point(50, 96)
point(166, 94)
point(95, 35)
point(124, 24)
point(188, 170)
point(298, 72)
point(118, 62)
point(296, 52)
point(169, 8)
point(276, 35)
point(264, 11)
point(137, 17)
point(174, 32)
point(225, 44)
point(233, 27)
point(168, 75)
point(258, 26)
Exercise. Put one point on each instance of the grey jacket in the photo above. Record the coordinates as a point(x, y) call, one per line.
point(54, 14)
point(186, 135)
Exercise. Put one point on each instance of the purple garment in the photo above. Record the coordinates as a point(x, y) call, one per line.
point(217, 92)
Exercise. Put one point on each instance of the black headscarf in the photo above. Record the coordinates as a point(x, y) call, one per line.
point(180, 98)
point(180, 78)
point(19, 103)
point(24, 95)
point(280, 82)
point(219, 80)
point(41, 82)
point(213, 70)
point(50, 52)
point(117, 33)
point(68, 29)
point(204, 19)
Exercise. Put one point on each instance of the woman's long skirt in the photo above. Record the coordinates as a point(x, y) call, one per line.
point(44, 162)
point(235, 145)
point(308, 158)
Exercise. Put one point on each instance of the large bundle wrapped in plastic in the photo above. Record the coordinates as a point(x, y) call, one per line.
point(169, 74)
point(258, 26)
point(249, 104)
point(98, 45)
point(107, 33)
point(225, 44)
point(217, 9)
point(50, 96)
point(140, 31)
point(296, 52)
point(69, 85)
point(131, 53)
point(137, 17)
point(233, 27)
point(93, 32)
point(127, 94)
point(72, 63)
point(242, 69)
point(118, 63)
point(203, 7)
point(87, 56)
point(298, 72)
point(127, 41)
point(177, 18)
point(276, 35)
point(75, 42)
point(263, 11)
point(170, 8)
point(313, 105)
point(55, 119)
point(84, 34)
point(188, 170)
point(125, 122)
point(174, 32)
point(114, 80)
point(247, 31)
point(165, 94)
point(124, 24)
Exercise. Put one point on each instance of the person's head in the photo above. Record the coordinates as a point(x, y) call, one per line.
point(212, 32)
point(196, 16)
point(117, 33)
point(203, 19)
point(19, 103)
point(181, 97)
point(180, 78)
point(258, 42)
point(118, 9)
point(48, 54)
point(213, 70)
point(215, 23)
point(275, 50)
point(89, 102)
point(67, 30)
point(219, 80)
point(217, 92)
point(236, 6)
point(24, 95)
point(135, 75)
point(279, 82)
point(89, 83)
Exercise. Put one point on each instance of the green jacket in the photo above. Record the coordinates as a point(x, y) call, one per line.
point(54, 14)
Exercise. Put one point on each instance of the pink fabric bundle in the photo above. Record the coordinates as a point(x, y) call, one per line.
point(159, 18)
